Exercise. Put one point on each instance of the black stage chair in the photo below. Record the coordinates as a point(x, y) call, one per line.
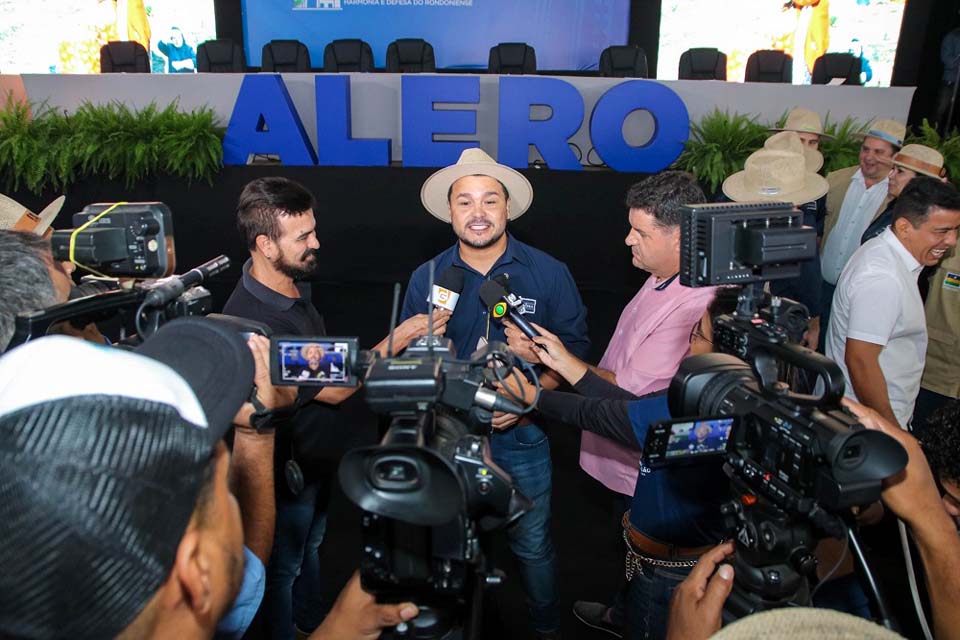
point(410, 55)
point(769, 65)
point(623, 61)
point(836, 65)
point(124, 57)
point(220, 56)
point(512, 58)
point(703, 64)
point(285, 56)
point(348, 55)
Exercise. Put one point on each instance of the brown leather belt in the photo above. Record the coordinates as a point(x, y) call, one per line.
point(658, 550)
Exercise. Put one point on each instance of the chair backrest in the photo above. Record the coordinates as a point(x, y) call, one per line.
point(220, 56)
point(410, 55)
point(351, 54)
point(285, 55)
point(703, 64)
point(512, 57)
point(836, 65)
point(769, 65)
point(623, 61)
point(124, 57)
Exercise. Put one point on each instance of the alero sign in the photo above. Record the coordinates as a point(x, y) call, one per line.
point(265, 121)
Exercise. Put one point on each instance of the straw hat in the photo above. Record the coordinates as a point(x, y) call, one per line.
point(889, 130)
point(920, 159)
point(803, 623)
point(803, 121)
point(12, 211)
point(474, 162)
point(771, 175)
point(790, 141)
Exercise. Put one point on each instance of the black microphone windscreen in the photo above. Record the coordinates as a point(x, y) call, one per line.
point(491, 293)
point(451, 279)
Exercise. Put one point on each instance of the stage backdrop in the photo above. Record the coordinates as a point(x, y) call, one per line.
point(567, 34)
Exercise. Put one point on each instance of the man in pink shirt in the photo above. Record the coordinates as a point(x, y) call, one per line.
point(651, 338)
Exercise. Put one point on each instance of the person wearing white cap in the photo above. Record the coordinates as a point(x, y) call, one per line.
point(878, 332)
point(477, 196)
point(785, 171)
point(857, 196)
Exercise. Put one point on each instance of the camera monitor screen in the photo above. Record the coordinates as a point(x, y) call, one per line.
point(313, 361)
point(698, 437)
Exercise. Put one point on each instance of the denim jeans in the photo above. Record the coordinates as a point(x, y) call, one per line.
point(294, 592)
point(648, 601)
point(524, 453)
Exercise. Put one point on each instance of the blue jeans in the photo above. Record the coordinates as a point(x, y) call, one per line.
point(648, 601)
point(294, 584)
point(524, 453)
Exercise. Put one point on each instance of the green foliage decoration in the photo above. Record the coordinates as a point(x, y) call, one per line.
point(948, 145)
point(53, 149)
point(719, 145)
point(841, 146)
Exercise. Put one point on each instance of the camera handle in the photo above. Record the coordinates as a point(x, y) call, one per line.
point(765, 365)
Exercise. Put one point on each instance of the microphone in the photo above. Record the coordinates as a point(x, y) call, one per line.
point(446, 291)
point(170, 288)
point(502, 302)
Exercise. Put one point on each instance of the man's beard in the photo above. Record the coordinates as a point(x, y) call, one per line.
point(482, 244)
point(303, 268)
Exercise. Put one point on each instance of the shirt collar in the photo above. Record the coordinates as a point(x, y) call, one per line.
point(912, 264)
point(267, 295)
point(858, 177)
point(513, 253)
point(666, 283)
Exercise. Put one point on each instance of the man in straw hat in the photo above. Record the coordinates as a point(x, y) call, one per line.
point(857, 196)
point(477, 196)
point(118, 518)
point(878, 332)
point(785, 171)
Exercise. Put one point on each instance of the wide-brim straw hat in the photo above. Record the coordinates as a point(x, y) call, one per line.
point(803, 121)
point(475, 162)
point(12, 211)
point(772, 175)
point(803, 623)
point(920, 159)
point(888, 130)
point(790, 141)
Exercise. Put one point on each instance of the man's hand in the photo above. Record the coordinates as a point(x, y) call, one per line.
point(516, 385)
point(555, 355)
point(272, 397)
point(697, 604)
point(520, 344)
point(414, 327)
point(357, 616)
point(811, 337)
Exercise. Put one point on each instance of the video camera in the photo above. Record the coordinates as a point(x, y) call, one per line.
point(119, 242)
point(796, 462)
point(430, 491)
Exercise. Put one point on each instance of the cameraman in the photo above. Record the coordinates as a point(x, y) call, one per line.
point(675, 512)
point(276, 217)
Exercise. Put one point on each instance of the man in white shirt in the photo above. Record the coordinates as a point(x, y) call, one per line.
point(856, 197)
point(878, 331)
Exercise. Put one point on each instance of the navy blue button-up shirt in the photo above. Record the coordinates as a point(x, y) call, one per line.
point(544, 282)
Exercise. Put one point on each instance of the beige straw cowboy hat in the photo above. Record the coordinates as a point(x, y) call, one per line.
point(474, 162)
point(889, 130)
point(803, 623)
point(772, 175)
point(12, 215)
point(790, 141)
point(803, 121)
point(920, 159)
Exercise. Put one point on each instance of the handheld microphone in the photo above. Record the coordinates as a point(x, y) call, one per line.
point(446, 291)
point(502, 302)
point(170, 288)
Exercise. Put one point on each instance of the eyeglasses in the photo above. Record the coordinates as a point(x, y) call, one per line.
point(696, 333)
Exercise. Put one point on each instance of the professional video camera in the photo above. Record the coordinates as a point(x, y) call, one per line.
point(429, 491)
point(797, 462)
point(120, 242)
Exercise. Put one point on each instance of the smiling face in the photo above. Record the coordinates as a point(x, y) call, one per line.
point(875, 156)
point(478, 211)
point(931, 240)
point(899, 178)
point(294, 252)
